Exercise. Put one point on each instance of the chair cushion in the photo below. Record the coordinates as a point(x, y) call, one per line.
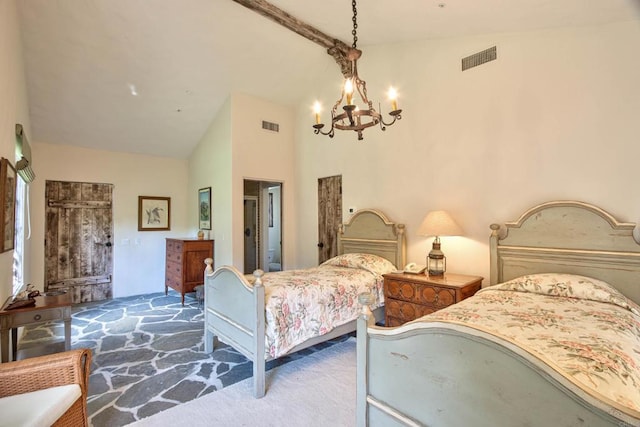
point(38, 408)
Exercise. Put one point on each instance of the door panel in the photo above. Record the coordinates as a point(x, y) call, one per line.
point(79, 236)
point(250, 231)
point(329, 216)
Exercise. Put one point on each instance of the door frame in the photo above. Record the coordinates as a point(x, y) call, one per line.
point(262, 193)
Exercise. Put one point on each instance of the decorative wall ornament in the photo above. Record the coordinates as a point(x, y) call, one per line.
point(204, 208)
point(154, 213)
point(8, 209)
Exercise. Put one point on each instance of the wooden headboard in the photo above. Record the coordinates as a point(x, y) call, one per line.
point(568, 237)
point(370, 231)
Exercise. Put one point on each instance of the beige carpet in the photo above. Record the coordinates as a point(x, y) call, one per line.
point(317, 390)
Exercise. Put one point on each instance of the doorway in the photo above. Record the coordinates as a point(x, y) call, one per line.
point(262, 226)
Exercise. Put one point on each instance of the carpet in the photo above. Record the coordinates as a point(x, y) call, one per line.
point(148, 355)
point(317, 390)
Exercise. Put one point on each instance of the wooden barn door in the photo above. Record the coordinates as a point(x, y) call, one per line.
point(329, 216)
point(78, 240)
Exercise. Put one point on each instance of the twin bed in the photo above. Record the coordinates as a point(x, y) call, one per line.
point(555, 341)
point(268, 316)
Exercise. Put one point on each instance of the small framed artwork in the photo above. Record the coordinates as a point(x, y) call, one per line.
point(154, 213)
point(8, 210)
point(204, 208)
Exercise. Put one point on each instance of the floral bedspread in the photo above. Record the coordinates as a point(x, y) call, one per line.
point(302, 304)
point(583, 326)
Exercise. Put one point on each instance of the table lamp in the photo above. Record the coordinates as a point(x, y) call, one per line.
point(438, 223)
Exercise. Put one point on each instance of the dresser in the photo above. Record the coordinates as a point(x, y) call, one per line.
point(409, 296)
point(184, 265)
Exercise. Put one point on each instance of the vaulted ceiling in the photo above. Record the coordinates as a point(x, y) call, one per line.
point(148, 76)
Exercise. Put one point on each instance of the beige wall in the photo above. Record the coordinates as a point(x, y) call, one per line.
point(138, 256)
point(13, 109)
point(554, 117)
point(234, 148)
point(263, 155)
point(210, 166)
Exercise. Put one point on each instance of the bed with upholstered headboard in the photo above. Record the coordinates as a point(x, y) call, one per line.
point(548, 344)
point(278, 313)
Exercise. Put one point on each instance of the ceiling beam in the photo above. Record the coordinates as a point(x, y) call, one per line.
point(338, 49)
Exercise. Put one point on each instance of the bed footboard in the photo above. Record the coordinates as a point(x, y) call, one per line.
point(440, 374)
point(234, 313)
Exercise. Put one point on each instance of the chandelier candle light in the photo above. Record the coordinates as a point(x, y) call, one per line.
point(438, 223)
point(354, 117)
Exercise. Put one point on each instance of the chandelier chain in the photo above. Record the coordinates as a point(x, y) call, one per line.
point(355, 24)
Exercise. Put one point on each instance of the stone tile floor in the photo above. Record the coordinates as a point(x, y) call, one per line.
point(148, 355)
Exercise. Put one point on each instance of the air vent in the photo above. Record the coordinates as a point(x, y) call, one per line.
point(274, 127)
point(479, 58)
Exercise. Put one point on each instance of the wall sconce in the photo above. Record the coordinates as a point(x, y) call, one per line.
point(438, 223)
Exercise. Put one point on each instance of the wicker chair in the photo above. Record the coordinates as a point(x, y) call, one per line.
point(37, 373)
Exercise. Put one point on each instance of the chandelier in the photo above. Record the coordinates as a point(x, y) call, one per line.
point(355, 115)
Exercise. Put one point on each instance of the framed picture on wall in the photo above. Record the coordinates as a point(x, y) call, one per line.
point(154, 213)
point(204, 208)
point(8, 211)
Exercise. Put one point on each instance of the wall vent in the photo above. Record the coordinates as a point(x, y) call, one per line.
point(274, 127)
point(479, 58)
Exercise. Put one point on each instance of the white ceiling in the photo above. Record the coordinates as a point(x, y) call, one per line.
point(148, 76)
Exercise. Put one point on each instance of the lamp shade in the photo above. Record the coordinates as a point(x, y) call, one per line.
point(439, 223)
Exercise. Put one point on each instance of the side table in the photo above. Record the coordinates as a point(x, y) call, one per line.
point(47, 308)
point(409, 296)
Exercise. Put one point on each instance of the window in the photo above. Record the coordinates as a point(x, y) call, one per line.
point(18, 251)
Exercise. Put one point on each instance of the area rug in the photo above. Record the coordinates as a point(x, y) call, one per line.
point(148, 355)
point(317, 390)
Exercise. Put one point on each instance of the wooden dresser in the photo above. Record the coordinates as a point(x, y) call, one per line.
point(185, 264)
point(409, 296)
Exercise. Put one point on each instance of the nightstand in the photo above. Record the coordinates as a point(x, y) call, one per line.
point(409, 296)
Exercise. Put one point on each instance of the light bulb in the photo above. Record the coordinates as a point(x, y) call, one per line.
point(317, 108)
point(348, 90)
point(393, 97)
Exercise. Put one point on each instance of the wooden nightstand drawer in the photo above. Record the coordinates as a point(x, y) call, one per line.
point(406, 311)
point(435, 296)
point(410, 296)
point(399, 289)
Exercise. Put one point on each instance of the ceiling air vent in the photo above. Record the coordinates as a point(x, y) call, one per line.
point(274, 127)
point(479, 58)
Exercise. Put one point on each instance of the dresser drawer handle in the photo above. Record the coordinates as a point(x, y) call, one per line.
point(37, 317)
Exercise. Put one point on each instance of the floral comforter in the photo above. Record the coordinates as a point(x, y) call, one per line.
point(302, 304)
point(581, 326)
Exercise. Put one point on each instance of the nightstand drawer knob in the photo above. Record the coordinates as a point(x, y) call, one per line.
point(37, 317)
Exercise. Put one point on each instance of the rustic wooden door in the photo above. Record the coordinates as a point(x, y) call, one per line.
point(78, 239)
point(329, 216)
